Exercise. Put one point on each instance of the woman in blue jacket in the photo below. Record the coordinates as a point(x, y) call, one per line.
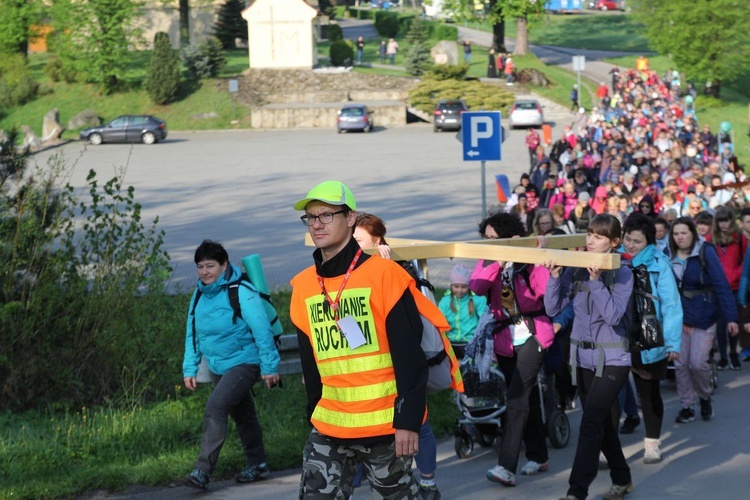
point(649, 367)
point(238, 351)
point(701, 280)
point(599, 355)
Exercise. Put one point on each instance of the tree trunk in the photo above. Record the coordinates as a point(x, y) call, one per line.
point(522, 37)
point(498, 36)
point(184, 23)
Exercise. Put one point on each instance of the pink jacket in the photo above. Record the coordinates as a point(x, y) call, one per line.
point(530, 300)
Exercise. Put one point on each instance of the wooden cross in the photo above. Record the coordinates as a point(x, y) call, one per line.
point(519, 250)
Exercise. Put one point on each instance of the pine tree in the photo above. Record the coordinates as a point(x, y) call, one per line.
point(418, 59)
point(163, 78)
point(230, 24)
point(418, 31)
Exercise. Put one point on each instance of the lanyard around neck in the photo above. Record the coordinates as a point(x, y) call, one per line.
point(334, 304)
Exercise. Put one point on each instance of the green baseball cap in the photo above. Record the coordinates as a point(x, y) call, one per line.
point(331, 192)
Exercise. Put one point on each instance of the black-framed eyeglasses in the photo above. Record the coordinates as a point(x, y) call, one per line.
point(646, 205)
point(324, 218)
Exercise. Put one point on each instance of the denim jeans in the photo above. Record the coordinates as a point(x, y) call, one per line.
point(426, 459)
point(231, 397)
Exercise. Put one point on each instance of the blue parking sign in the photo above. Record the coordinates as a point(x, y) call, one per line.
point(481, 135)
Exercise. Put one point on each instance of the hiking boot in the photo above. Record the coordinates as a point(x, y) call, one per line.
point(734, 361)
point(253, 473)
point(746, 354)
point(722, 365)
point(629, 424)
point(197, 479)
point(429, 492)
point(707, 410)
point(531, 468)
point(686, 415)
point(617, 492)
point(603, 465)
point(500, 474)
point(652, 451)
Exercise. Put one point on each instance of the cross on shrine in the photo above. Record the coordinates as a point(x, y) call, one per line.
point(271, 22)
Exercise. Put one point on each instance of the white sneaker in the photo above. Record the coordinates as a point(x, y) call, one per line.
point(531, 468)
point(652, 451)
point(500, 474)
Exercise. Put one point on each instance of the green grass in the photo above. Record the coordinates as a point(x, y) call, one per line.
point(56, 455)
point(581, 31)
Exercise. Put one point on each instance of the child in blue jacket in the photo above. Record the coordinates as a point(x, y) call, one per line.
point(461, 308)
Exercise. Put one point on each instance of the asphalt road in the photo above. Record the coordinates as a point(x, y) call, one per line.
point(701, 460)
point(238, 187)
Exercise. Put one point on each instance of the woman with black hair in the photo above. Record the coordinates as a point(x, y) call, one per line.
point(239, 351)
point(523, 333)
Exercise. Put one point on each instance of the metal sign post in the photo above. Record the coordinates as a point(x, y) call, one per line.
point(482, 138)
point(234, 86)
point(579, 65)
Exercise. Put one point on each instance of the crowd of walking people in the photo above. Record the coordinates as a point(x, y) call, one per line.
point(638, 175)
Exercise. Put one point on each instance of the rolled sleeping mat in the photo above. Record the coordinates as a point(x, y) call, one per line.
point(254, 270)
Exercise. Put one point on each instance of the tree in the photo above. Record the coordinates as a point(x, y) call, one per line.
point(16, 22)
point(94, 36)
point(418, 60)
point(465, 10)
point(706, 39)
point(230, 24)
point(163, 79)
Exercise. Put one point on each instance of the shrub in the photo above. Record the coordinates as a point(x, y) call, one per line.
point(17, 86)
point(477, 95)
point(335, 33)
point(386, 24)
point(418, 59)
point(163, 79)
point(56, 71)
point(82, 305)
point(341, 53)
point(442, 31)
point(204, 60)
point(449, 71)
point(707, 102)
point(230, 25)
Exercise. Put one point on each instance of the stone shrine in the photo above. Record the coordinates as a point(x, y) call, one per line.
point(281, 34)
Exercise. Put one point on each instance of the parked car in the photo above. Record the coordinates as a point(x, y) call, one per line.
point(447, 115)
point(128, 128)
point(355, 117)
point(609, 5)
point(526, 113)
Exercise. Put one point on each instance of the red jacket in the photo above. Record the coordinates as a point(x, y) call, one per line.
point(731, 257)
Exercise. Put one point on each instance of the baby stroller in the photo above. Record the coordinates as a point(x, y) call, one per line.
point(483, 403)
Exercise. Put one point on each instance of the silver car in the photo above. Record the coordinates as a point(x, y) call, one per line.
point(354, 117)
point(526, 113)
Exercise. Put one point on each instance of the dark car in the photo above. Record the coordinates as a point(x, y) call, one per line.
point(354, 117)
point(128, 128)
point(447, 115)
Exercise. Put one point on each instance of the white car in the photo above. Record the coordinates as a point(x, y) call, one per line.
point(526, 113)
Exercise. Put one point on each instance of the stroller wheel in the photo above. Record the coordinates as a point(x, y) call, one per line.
point(463, 445)
point(558, 429)
point(485, 440)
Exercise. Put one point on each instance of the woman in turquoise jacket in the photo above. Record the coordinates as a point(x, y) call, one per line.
point(461, 308)
point(650, 367)
point(238, 352)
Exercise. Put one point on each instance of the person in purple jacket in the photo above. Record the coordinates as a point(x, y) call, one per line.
point(523, 333)
point(700, 280)
point(599, 355)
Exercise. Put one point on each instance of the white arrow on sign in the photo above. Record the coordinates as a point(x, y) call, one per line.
point(472, 153)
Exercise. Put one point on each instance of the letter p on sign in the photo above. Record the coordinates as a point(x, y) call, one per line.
point(481, 128)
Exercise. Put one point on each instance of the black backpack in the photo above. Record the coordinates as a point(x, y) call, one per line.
point(234, 301)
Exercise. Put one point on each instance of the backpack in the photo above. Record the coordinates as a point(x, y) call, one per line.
point(234, 301)
point(435, 343)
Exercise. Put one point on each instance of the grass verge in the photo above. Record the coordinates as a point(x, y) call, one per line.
point(54, 455)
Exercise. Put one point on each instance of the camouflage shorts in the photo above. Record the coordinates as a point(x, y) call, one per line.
point(328, 470)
